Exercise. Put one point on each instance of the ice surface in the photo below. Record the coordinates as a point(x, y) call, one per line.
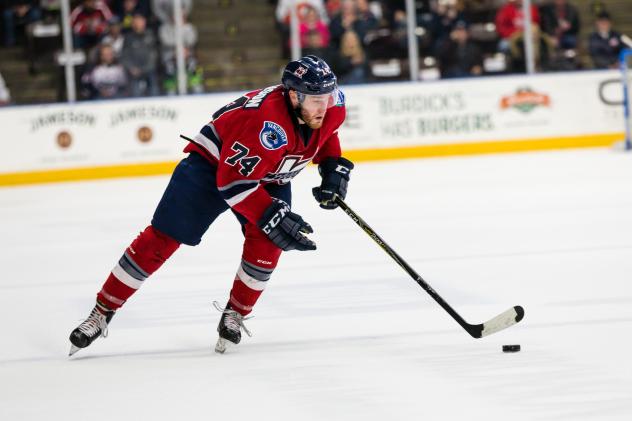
point(341, 333)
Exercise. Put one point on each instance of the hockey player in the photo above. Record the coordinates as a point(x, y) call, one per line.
point(243, 159)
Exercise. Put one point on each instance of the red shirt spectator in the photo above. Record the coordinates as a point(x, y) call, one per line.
point(284, 8)
point(90, 18)
point(510, 19)
point(311, 23)
point(333, 7)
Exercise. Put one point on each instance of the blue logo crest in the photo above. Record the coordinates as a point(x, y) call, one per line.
point(272, 136)
point(340, 98)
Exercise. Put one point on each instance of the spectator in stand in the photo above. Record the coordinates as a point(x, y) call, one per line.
point(194, 75)
point(310, 23)
point(333, 7)
point(390, 7)
point(604, 43)
point(282, 13)
point(315, 46)
point(167, 36)
point(139, 56)
point(394, 13)
point(399, 27)
point(352, 66)
point(285, 6)
point(445, 15)
point(107, 79)
point(351, 18)
point(18, 13)
point(366, 13)
point(126, 9)
point(510, 22)
point(89, 22)
point(114, 36)
point(543, 48)
point(560, 20)
point(163, 9)
point(5, 96)
point(458, 55)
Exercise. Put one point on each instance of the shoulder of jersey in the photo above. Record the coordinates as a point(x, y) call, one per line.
point(271, 120)
point(264, 99)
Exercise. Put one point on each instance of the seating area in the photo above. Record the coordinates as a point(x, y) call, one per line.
point(123, 48)
point(469, 38)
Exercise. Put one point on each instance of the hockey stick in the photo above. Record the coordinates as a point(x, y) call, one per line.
point(500, 322)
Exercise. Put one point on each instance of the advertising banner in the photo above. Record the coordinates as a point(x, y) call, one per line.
point(102, 133)
point(466, 111)
point(483, 110)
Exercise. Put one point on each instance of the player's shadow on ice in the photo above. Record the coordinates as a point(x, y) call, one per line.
point(258, 348)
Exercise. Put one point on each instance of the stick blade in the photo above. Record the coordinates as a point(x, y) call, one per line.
point(498, 323)
point(502, 321)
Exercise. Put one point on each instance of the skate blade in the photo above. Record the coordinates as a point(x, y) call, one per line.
point(73, 350)
point(222, 345)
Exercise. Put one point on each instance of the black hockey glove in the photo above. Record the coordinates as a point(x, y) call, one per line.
point(285, 228)
point(335, 174)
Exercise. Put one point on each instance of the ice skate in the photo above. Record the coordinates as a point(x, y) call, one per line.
point(229, 328)
point(90, 329)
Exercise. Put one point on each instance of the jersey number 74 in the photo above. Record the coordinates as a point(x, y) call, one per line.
point(247, 163)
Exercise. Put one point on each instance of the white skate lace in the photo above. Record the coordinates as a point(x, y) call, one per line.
point(233, 320)
point(95, 322)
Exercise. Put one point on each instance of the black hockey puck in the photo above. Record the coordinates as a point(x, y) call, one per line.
point(511, 348)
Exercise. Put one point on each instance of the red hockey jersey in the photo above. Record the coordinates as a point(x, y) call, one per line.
point(256, 140)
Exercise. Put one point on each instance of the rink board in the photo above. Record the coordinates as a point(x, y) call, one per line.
point(104, 139)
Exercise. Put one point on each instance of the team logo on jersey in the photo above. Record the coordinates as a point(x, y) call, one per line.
point(272, 136)
point(288, 169)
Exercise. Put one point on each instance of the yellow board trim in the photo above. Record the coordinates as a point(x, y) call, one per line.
point(86, 173)
point(519, 145)
point(356, 155)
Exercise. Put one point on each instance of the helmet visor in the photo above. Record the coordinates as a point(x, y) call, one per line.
point(318, 101)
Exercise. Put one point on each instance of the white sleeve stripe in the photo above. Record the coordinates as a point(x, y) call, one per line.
point(207, 144)
point(238, 198)
point(125, 277)
point(237, 183)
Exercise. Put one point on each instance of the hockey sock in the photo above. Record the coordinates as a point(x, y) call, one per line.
point(141, 259)
point(249, 283)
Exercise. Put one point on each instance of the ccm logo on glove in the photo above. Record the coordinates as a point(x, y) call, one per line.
point(276, 218)
point(285, 228)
